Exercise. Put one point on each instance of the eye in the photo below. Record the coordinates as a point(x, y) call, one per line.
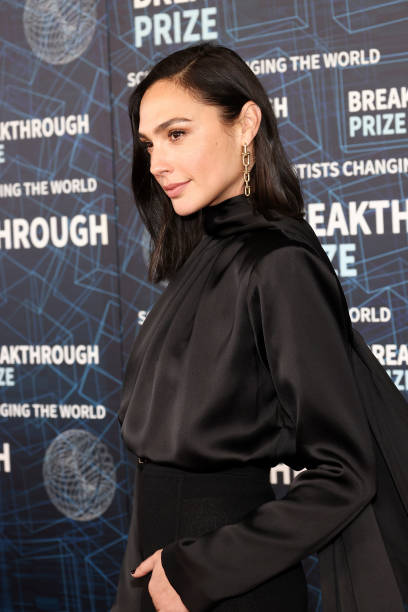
point(176, 134)
point(146, 144)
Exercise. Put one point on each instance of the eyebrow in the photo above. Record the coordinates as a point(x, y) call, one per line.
point(165, 125)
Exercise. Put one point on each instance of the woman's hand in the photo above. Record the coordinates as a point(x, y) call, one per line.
point(165, 598)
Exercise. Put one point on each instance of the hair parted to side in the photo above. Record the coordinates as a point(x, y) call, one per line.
point(218, 76)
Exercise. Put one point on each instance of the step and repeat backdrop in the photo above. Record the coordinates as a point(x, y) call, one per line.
point(73, 251)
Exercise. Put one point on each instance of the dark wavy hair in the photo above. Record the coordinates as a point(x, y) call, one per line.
point(218, 76)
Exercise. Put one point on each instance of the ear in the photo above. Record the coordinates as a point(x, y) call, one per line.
point(250, 119)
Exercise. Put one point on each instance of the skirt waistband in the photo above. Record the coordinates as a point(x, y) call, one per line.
point(245, 470)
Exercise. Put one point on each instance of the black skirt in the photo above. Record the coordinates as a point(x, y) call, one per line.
point(171, 503)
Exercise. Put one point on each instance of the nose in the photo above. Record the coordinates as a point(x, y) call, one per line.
point(159, 162)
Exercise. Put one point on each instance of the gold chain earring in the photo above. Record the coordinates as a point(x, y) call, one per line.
point(246, 160)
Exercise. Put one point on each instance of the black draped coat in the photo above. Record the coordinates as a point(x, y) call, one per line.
point(249, 356)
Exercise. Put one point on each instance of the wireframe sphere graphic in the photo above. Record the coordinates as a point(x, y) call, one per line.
point(79, 475)
point(59, 31)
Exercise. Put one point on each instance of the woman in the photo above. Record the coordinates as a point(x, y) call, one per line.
point(243, 363)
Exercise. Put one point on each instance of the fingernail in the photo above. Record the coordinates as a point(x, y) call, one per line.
point(132, 571)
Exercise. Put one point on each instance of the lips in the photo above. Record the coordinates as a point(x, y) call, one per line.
point(174, 189)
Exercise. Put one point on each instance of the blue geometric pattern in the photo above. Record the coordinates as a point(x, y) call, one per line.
point(59, 296)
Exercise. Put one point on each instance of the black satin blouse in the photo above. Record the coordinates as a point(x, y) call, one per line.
point(245, 358)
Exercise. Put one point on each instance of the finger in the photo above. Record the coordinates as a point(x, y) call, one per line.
point(144, 567)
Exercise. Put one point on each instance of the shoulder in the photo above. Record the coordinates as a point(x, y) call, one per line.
point(288, 269)
point(273, 248)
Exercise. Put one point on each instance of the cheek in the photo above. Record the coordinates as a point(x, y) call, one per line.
point(219, 156)
point(201, 160)
point(214, 160)
point(226, 160)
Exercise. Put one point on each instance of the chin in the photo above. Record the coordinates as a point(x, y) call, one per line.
point(185, 209)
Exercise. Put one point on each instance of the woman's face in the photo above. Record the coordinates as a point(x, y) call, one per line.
point(194, 156)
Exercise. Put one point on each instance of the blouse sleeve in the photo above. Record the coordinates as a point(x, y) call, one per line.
point(296, 312)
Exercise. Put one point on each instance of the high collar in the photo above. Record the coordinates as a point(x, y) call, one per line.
point(235, 215)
